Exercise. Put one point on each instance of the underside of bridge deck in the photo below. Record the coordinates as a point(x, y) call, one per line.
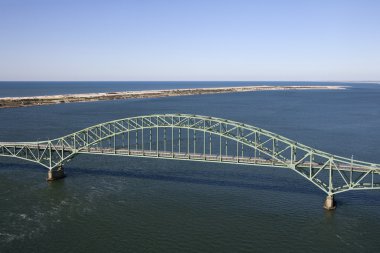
point(202, 139)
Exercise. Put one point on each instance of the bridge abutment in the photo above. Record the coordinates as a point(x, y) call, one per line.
point(55, 174)
point(329, 203)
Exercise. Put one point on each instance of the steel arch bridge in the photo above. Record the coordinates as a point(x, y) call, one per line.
point(200, 138)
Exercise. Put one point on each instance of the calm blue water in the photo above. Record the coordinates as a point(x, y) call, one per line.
point(147, 205)
point(15, 89)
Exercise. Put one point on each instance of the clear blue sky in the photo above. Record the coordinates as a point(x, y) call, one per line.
point(189, 40)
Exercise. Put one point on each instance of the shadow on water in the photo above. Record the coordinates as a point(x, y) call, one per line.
point(361, 198)
point(259, 183)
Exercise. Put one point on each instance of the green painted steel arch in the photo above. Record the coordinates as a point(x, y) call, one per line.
point(331, 173)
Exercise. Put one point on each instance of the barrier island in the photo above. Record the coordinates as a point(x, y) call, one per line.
point(10, 102)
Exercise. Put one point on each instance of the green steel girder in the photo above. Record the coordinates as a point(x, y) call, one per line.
point(201, 138)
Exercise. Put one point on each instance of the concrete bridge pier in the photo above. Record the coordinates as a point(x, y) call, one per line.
point(329, 203)
point(55, 174)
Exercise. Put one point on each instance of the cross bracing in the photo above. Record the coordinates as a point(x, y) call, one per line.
point(201, 138)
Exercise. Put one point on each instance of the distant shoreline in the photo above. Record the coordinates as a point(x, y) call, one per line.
point(12, 102)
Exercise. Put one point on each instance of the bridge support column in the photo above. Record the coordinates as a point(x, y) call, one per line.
point(55, 174)
point(329, 203)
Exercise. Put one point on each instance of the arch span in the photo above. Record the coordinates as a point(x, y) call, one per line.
point(201, 138)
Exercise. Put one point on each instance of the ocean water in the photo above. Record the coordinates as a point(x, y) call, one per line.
point(16, 89)
point(146, 205)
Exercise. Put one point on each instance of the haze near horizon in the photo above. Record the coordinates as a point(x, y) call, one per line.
point(189, 40)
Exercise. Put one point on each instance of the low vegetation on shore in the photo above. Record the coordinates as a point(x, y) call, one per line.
point(9, 102)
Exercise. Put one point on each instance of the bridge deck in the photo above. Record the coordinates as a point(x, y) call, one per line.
point(216, 158)
point(197, 157)
point(206, 139)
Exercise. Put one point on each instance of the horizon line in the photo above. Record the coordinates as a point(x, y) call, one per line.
point(346, 81)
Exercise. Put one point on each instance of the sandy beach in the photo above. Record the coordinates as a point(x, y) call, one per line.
point(11, 102)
